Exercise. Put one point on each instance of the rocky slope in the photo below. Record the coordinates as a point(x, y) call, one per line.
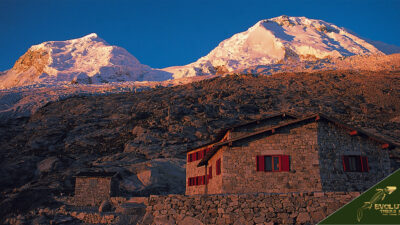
point(23, 101)
point(83, 60)
point(282, 40)
point(355, 63)
point(144, 135)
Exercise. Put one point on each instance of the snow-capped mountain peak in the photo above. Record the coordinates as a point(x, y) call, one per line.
point(88, 59)
point(278, 40)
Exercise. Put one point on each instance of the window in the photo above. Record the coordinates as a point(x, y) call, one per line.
point(273, 163)
point(198, 155)
point(195, 181)
point(190, 157)
point(218, 167)
point(355, 163)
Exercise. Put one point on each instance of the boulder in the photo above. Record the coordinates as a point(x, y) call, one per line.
point(47, 165)
point(163, 220)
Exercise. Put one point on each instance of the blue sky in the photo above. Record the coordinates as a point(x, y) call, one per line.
point(163, 33)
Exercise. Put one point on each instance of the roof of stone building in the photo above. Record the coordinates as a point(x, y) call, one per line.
point(315, 117)
point(95, 174)
point(222, 132)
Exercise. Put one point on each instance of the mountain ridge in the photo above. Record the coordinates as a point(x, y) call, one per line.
point(278, 40)
point(279, 44)
point(88, 59)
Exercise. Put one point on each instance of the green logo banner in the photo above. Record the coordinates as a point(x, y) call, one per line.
point(378, 205)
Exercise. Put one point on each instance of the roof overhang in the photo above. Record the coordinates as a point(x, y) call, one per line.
point(315, 117)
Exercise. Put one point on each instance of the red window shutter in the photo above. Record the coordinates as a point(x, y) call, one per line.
point(260, 162)
point(345, 161)
point(364, 163)
point(218, 167)
point(285, 163)
point(210, 172)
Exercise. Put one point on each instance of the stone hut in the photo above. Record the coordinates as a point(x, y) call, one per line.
point(91, 188)
point(282, 153)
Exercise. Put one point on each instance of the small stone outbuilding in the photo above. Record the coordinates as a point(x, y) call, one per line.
point(91, 188)
point(282, 153)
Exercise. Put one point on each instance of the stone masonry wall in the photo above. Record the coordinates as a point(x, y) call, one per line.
point(214, 185)
point(333, 143)
point(92, 190)
point(291, 208)
point(299, 141)
point(193, 171)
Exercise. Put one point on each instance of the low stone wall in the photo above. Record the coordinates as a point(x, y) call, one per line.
point(292, 208)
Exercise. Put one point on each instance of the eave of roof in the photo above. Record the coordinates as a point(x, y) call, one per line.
point(223, 132)
point(317, 116)
point(95, 174)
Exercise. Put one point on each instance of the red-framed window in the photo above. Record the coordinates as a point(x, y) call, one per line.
point(355, 163)
point(273, 163)
point(196, 181)
point(218, 167)
point(197, 155)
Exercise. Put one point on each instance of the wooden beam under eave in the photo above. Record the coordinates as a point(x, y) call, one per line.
point(353, 132)
point(386, 145)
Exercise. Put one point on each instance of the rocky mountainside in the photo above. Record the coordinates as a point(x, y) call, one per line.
point(355, 63)
point(144, 135)
point(282, 40)
point(23, 101)
point(83, 60)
